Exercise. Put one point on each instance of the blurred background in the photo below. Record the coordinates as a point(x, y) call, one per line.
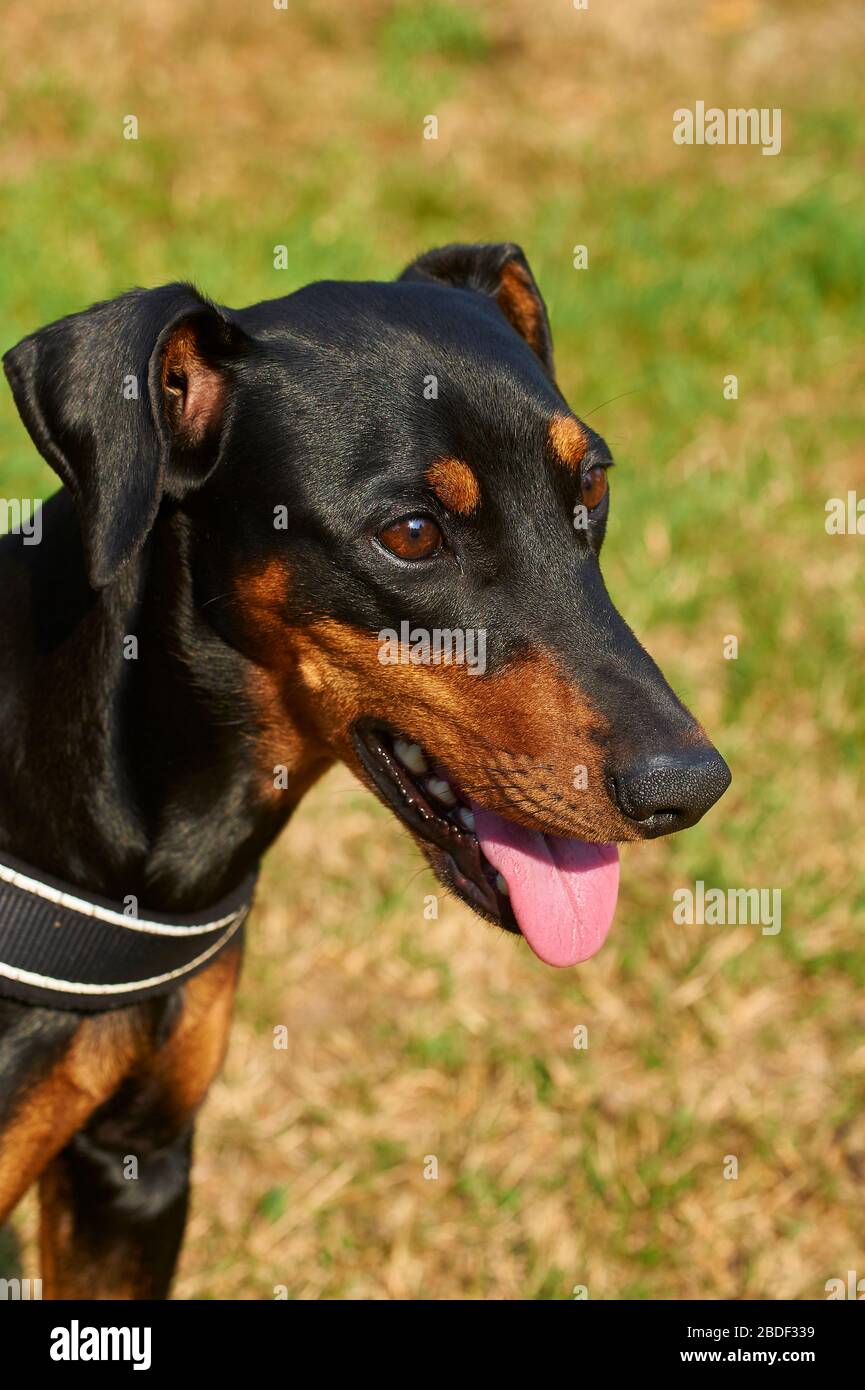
point(303, 127)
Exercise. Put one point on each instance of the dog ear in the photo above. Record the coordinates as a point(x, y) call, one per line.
point(126, 401)
point(500, 271)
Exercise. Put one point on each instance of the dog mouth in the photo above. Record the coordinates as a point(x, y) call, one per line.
point(558, 893)
point(426, 800)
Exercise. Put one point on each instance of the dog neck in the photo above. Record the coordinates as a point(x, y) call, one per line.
point(147, 711)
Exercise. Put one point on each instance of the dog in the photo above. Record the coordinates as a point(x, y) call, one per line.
point(251, 499)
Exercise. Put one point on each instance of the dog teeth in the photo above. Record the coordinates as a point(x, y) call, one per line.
point(502, 885)
point(442, 791)
point(411, 756)
point(466, 818)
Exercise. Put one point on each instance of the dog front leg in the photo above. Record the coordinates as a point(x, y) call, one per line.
point(114, 1201)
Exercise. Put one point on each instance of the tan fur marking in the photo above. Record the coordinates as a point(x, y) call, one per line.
point(99, 1055)
point(511, 739)
point(567, 441)
point(518, 302)
point(455, 485)
point(194, 1053)
point(194, 390)
point(279, 688)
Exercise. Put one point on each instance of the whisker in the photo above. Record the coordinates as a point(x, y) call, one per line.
point(620, 397)
point(216, 598)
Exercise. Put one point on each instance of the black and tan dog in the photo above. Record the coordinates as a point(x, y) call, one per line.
point(280, 485)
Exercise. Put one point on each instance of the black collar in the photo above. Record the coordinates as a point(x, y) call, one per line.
point(64, 950)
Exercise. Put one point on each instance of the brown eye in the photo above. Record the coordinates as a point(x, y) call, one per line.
point(593, 487)
point(416, 538)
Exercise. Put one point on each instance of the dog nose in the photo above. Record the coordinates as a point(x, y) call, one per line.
point(669, 791)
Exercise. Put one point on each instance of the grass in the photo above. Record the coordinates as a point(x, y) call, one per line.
point(410, 1038)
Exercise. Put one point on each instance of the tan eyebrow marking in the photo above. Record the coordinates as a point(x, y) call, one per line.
point(455, 485)
point(567, 440)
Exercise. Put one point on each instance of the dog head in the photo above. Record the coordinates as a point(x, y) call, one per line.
point(401, 520)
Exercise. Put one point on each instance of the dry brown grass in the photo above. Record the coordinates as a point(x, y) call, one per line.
point(556, 1166)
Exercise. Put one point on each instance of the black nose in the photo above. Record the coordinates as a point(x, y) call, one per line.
point(669, 791)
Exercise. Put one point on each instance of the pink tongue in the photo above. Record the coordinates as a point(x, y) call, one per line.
point(563, 892)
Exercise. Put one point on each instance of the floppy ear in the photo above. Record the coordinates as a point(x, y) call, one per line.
point(500, 271)
point(126, 401)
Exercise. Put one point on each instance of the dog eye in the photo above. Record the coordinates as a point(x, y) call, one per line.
point(593, 487)
point(415, 538)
